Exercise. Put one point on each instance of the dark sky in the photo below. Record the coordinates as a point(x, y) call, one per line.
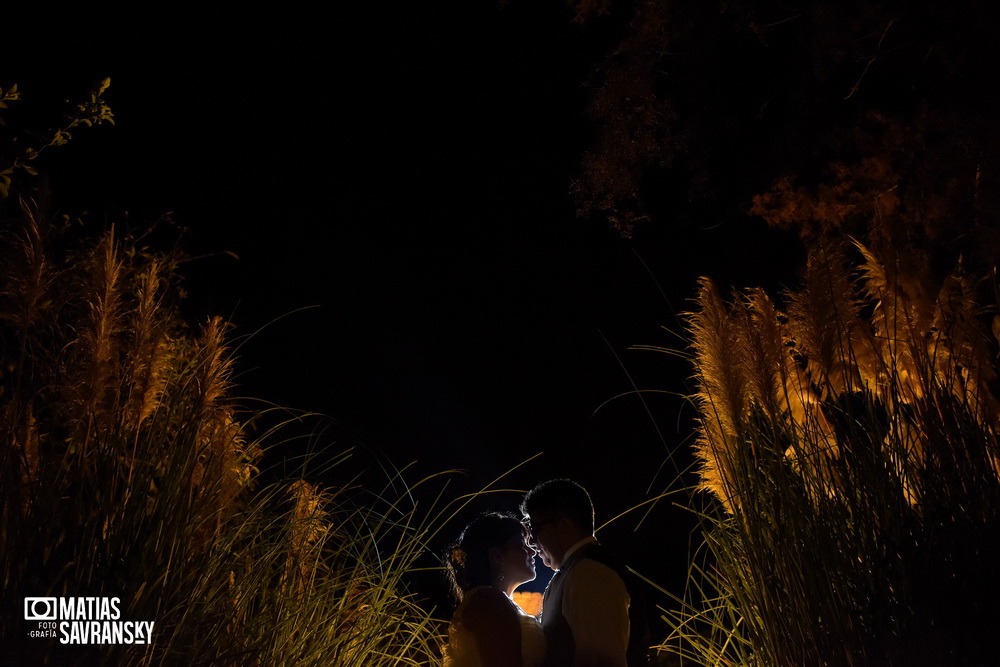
point(402, 174)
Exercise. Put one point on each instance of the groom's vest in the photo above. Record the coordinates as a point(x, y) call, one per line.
point(558, 633)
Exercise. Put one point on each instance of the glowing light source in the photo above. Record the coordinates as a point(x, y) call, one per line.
point(530, 602)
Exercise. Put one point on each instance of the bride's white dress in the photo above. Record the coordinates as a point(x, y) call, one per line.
point(463, 652)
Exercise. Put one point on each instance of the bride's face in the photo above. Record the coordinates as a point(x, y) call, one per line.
point(518, 560)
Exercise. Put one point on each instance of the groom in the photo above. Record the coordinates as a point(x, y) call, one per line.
point(588, 612)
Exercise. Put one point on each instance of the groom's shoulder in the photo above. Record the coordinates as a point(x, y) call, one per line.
point(603, 555)
point(599, 553)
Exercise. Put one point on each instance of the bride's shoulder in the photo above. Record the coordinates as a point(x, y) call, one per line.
point(486, 606)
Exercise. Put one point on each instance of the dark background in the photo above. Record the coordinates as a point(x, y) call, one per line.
point(395, 182)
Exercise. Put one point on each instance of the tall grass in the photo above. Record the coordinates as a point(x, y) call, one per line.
point(848, 441)
point(128, 470)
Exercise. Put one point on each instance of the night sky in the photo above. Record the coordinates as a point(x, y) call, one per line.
point(395, 183)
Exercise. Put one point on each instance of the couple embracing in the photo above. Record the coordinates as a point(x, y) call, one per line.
point(590, 613)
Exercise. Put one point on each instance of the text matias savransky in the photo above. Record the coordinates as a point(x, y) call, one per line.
point(85, 620)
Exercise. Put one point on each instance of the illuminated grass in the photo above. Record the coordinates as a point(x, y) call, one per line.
point(849, 446)
point(127, 470)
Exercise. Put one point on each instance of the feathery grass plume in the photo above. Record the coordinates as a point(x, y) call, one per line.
point(721, 392)
point(760, 350)
point(26, 273)
point(961, 349)
point(25, 278)
point(779, 387)
point(225, 459)
point(824, 321)
point(902, 374)
point(146, 374)
point(902, 309)
point(309, 524)
point(92, 369)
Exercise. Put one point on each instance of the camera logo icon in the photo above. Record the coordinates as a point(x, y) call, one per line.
point(40, 609)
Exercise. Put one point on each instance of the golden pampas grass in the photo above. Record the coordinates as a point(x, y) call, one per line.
point(721, 393)
point(805, 368)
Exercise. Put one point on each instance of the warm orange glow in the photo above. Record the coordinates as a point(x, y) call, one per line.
point(529, 602)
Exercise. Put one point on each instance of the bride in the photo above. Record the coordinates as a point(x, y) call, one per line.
point(490, 560)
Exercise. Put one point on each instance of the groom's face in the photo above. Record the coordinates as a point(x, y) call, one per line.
point(544, 537)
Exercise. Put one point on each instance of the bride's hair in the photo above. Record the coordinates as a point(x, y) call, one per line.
point(468, 559)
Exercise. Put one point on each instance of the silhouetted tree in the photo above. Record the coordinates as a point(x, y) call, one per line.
point(876, 119)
